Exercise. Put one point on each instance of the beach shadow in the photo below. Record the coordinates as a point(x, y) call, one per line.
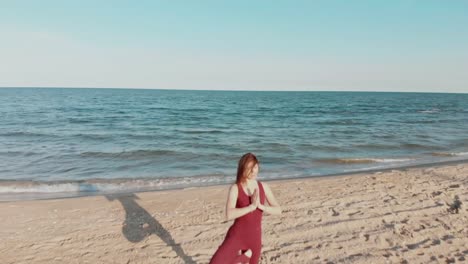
point(139, 224)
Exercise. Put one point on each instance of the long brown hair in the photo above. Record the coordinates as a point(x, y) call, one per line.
point(243, 168)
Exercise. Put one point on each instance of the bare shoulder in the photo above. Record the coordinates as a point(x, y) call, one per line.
point(267, 189)
point(232, 196)
point(265, 186)
point(233, 188)
point(269, 195)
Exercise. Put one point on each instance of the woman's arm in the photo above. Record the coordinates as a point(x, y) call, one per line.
point(274, 207)
point(231, 211)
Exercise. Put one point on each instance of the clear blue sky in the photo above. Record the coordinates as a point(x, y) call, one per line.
point(246, 45)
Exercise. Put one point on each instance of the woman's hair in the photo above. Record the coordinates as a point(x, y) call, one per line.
point(246, 164)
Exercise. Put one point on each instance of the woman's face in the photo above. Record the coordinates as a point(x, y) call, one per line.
point(253, 172)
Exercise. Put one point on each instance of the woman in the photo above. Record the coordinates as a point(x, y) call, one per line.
point(246, 204)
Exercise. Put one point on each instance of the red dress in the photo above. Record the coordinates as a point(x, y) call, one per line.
point(244, 234)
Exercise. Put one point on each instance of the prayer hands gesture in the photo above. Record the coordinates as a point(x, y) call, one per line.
point(255, 200)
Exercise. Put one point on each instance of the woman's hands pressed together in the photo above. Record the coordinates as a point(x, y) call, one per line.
point(255, 200)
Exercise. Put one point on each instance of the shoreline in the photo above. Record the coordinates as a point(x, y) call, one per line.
point(31, 196)
point(393, 216)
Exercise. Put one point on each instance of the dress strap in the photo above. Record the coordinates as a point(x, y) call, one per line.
point(239, 189)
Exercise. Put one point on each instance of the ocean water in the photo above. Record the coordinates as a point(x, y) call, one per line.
point(67, 142)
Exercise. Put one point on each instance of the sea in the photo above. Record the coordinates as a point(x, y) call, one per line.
point(67, 142)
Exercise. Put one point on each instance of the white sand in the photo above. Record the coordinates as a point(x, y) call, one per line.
point(396, 216)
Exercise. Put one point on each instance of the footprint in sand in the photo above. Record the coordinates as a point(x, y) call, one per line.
point(334, 213)
point(449, 260)
point(418, 244)
point(447, 238)
point(353, 213)
point(404, 221)
point(443, 224)
point(387, 254)
point(402, 231)
point(421, 227)
point(389, 242)
point(366, 236)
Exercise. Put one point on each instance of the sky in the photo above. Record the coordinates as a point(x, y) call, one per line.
point(419, 46)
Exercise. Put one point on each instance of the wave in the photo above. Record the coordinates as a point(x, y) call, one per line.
point(312, 147)
point(376, 146)
point(107, 185)
point(429, 111)
point(132, 154)
point(276, 146)
point(55, 135)
point(340, 122)
point(74, 120)
point(18, 153)
point(361, 160)
point(93, 136)
point(449, 154)
point(200, 131)
point(24, 133)
point(383, 146)
point(159, 108)
point(418, 146)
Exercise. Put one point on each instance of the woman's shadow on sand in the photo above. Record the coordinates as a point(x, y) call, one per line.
point(139, 224)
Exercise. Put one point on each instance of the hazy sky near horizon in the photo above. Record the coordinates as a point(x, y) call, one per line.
point(238, 45)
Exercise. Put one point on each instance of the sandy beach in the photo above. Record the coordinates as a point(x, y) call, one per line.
point(397, 216)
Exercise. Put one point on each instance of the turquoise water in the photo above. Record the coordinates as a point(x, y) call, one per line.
point(58, 142)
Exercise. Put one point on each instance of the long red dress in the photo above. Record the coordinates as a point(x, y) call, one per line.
point(244, 234)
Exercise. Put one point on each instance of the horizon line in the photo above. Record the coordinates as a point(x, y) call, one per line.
point(220, 90)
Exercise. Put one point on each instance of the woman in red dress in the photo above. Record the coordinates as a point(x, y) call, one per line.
point(246, 204)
